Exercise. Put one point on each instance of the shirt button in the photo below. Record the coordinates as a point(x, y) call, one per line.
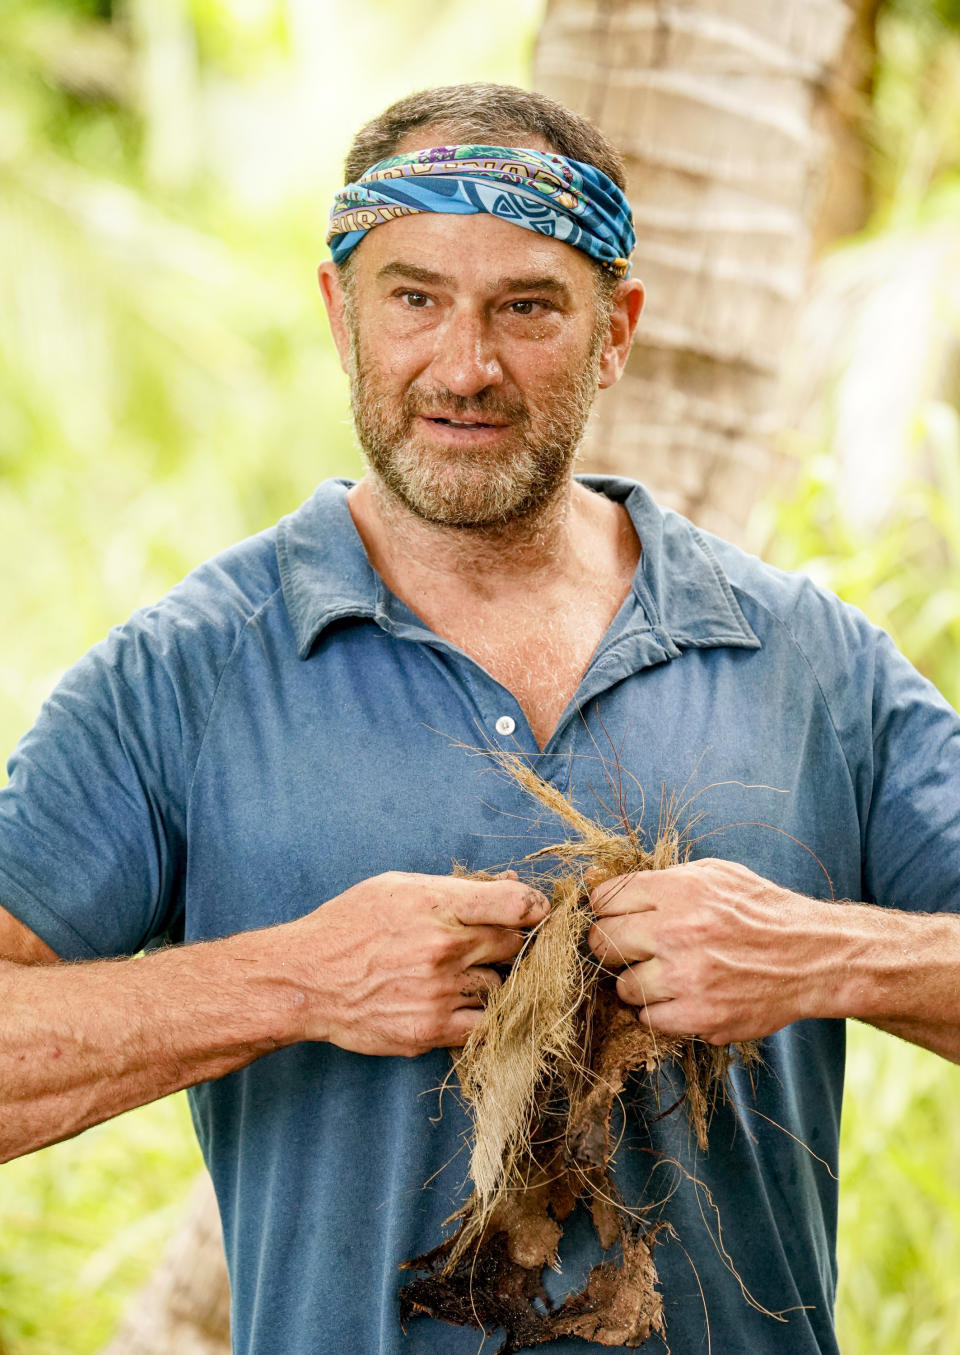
point(505, 725)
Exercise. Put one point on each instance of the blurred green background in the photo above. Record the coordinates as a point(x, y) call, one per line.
point(167, 386)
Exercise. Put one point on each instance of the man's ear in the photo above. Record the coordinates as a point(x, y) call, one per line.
point(627, 305)
point(332, 292)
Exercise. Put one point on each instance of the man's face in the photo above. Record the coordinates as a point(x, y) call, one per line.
point(475, 358)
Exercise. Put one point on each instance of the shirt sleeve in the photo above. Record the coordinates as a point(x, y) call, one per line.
point(92, 839)
point(901, 742)
point(911, 823)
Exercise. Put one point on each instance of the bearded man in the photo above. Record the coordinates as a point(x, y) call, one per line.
point(271, 769)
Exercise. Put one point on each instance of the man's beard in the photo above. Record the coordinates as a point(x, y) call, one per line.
point(486, 487)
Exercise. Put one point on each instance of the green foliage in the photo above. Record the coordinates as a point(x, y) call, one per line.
point(165, 388)
point(906, 577)
point(83, 1225)
point(913, 125)
point(927, 16)
point(234, 40)
point(899, 1200)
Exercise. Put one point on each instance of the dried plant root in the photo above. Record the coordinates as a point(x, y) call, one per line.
point(530, 1030)
point(540, 1076)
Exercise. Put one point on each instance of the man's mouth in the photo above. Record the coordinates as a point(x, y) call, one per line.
point(461, 423)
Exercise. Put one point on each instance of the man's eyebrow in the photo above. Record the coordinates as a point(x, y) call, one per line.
point(540, 282)
point(414, 273)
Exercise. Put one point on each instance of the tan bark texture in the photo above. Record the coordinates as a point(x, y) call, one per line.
point(184, 1309)
point(723, 109)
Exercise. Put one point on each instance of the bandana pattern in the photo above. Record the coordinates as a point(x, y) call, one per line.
point(566, 199)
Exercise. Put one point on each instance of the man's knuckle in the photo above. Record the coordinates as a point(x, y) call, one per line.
point(693, 973)
point(425, 1033)
point(435, 949)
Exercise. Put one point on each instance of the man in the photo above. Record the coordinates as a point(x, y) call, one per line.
point(272, 766)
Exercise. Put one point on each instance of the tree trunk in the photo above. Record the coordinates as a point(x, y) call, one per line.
point(724, 111)
point(184, 1309)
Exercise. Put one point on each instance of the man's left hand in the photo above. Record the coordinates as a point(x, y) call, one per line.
point(711, 949)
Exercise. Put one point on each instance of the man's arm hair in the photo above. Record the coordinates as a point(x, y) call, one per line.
point(82, 1042)
point(19, 943)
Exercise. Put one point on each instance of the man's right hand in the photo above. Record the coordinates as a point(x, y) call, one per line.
point(400, 963)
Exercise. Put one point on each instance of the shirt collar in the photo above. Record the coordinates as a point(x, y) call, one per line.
point(684, 594)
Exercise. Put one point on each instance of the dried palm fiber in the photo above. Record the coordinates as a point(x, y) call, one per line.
point(540, 1076)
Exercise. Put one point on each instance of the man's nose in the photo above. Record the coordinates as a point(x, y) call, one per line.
point(466, 359)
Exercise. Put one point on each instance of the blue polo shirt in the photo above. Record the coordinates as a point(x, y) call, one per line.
point(281, 726)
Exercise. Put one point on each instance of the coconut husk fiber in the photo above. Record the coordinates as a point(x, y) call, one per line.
point(540, 1076)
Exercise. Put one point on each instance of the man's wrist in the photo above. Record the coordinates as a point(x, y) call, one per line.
point(883, 958)
point(264, 964)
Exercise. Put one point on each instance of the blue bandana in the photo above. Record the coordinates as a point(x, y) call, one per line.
point(566, 199)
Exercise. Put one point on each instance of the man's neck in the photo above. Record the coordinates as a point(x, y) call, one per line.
point(529, 603)
point(558, 541)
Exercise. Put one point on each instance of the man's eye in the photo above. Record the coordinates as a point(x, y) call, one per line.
point(417, 300)
point(527, 307)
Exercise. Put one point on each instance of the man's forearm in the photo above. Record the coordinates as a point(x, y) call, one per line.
point(396, 965)
point(80, 1043)
point(902, 974)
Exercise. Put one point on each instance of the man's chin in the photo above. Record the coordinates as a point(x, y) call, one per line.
point(460, 512)
point(472, 507)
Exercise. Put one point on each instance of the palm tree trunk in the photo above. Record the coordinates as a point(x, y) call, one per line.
point(184, 1308)
point(724, 111)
